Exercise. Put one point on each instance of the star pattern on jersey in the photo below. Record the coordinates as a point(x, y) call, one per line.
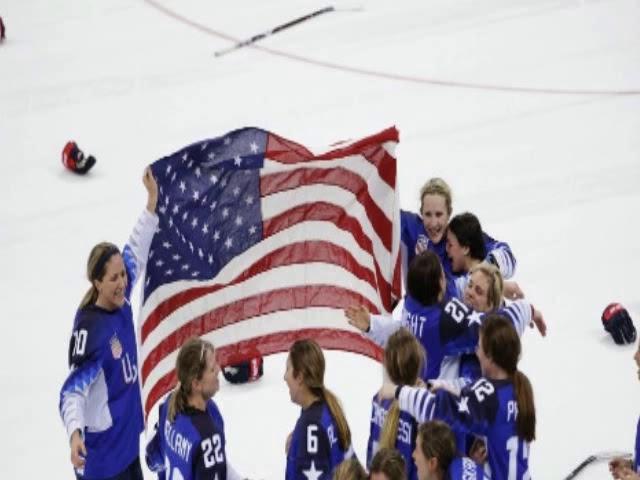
point(312, 473)
point(463, 405)
point(475, 317)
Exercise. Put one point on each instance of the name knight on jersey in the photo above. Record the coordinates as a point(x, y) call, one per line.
point(176, 442)
point(415, 323)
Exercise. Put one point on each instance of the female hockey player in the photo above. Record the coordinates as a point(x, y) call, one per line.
point(100, 400)
point(189, 443)
point(427, 230)
point(444, 325)
point(498, 406)
point(321, 438)
point(466, 248)
point(436, 457)
point(403, 361)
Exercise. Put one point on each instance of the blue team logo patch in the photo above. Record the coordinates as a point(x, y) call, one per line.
point(116, 347)
point(421, 244)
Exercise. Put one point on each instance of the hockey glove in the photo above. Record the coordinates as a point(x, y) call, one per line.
point(618, 323)
point(244, 370)
point(73, 158)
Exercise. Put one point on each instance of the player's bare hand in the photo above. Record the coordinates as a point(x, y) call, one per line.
point(478, 451)
point(78, 450)
point(619, 465)
point(152, 189)
point(388, 390)
point(359, 317)
point(538, 322)
point(512, 291)
point(627, 473)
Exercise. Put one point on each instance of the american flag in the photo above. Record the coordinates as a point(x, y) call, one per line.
point(261, 242)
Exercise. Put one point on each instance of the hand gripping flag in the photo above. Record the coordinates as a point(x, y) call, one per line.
point(261, 243)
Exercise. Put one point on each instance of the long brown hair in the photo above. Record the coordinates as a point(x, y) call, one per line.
point(403, 360)
point(437, 440)
point(423, 278)
point(390, 462)
point(350, 469)
point(307, 359)
point(190, 365)
point(93, 273)
point(501, 343)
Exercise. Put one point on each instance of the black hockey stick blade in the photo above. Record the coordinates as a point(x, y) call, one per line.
point(273, 31)
point(596, 457)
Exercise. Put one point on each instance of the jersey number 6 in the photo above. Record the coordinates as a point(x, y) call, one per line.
point(312, 439)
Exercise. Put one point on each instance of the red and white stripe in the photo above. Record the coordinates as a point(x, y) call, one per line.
point(331, 239)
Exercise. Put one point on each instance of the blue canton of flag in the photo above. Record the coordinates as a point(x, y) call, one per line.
point(208, 205)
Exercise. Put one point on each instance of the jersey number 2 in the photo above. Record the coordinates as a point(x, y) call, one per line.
point(212, 451)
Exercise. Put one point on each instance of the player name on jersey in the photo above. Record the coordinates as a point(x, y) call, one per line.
point(176, 442)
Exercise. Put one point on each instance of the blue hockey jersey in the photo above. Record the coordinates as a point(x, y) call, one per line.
point(487, 408)
point(447, 329)
point(101, 395)
point(315, 450)
point(412, 233)
point(192, 447)
point(405, 440)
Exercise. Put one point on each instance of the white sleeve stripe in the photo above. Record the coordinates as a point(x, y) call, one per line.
point(519, 311)
point(419, 402)
point(505, 261)
point(72, 412)
point(139, 242)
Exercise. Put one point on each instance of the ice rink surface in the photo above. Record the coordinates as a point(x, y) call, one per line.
point(485, 94)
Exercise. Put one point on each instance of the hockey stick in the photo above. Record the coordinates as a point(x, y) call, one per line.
point(273, 31)
point(596, 457)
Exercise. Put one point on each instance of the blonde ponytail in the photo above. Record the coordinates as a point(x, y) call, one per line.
point(389, 432)
point(177, 403)
point(344, 433)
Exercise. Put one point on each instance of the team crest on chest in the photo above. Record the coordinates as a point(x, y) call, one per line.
point(116, 346)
